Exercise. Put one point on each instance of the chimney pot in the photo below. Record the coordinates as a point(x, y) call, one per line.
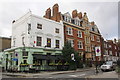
point(74, 13)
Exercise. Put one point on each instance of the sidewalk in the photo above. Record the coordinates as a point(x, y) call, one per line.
point(46, 73)
point(111, 74)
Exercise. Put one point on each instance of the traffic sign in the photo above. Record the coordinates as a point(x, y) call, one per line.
point(98, 51)
point(15, 59)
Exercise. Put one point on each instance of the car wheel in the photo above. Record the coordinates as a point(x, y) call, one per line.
point(102, 70)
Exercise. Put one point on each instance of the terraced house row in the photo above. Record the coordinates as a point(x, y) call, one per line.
point(38, 41)
point(78, 30)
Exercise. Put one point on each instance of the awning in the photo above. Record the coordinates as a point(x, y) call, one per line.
point(47, 57)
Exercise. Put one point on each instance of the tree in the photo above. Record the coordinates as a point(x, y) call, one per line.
point(67, 51)
point(118, 43)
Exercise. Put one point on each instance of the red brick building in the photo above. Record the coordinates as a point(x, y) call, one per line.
point(83, 35)
point(111, 50)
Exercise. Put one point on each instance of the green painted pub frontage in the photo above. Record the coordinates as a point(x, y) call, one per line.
point(32, 59)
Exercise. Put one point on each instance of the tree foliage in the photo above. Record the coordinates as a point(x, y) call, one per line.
point(67, 51)
point(118, 43)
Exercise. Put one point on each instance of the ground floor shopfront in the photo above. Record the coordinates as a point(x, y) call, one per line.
point(30, 58)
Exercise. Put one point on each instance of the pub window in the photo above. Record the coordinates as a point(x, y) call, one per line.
point(48, 42)
point(25, 53)
point(39, 26)
point(57, 43)
point(39, 41)
point(24, 61)
point(56, 30)
point(17, 62)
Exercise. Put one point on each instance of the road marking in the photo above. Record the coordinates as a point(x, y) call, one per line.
point(77, 75)
point(73, 75)
point(82, 75)
point(50, 77)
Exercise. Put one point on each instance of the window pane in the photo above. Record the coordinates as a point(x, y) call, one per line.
point(25, 53)
point(56, 30)
point(71, 42)
point(57, 43)
point(39, 41)
point(69, 31)
point(29, 28)
point(48, 42)
point(80, 46)
point(80, 34)
point(24, 61)
point(39, 26)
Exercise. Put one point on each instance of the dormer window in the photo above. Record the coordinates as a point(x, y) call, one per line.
point(81, 23)
point(63, 17)
point(73, 21)
point(67, 19)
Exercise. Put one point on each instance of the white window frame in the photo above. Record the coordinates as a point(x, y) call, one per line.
point(80, 44)
point(69, 31)
point(87, 40)
point(79, 34)
point(98, 39)
point(92, 37)
point(106, 52)
point(110, 46)
point(115, 53)
point(39, 26)
point(71, 41)
point(115, 47)
point(110, 53)
point(93, 47)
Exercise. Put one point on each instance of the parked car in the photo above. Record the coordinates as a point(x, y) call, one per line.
point(109, 65)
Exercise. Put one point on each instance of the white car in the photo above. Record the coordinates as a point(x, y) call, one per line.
point(109, 65)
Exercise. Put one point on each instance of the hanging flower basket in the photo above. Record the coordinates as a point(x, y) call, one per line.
point(24, 65)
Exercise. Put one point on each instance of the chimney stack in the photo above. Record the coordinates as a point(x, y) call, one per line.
point(92, 23)
point(79, 15)
point(115, 40)
point(48, 13)
point(55, 9)
point(74, 13)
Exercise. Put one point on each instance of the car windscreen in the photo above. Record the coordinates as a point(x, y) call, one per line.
point(108, 63)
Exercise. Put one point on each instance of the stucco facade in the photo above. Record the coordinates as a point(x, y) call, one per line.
point(36, 42)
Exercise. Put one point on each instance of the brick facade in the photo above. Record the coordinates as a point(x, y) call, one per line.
point(91, 36)
point(111, 50)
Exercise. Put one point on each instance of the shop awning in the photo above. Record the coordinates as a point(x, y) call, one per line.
point(47, 57)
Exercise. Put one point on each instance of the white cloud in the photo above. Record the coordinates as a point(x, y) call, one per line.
point(104, 14)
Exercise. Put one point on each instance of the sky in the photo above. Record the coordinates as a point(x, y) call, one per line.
point(102, 12)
